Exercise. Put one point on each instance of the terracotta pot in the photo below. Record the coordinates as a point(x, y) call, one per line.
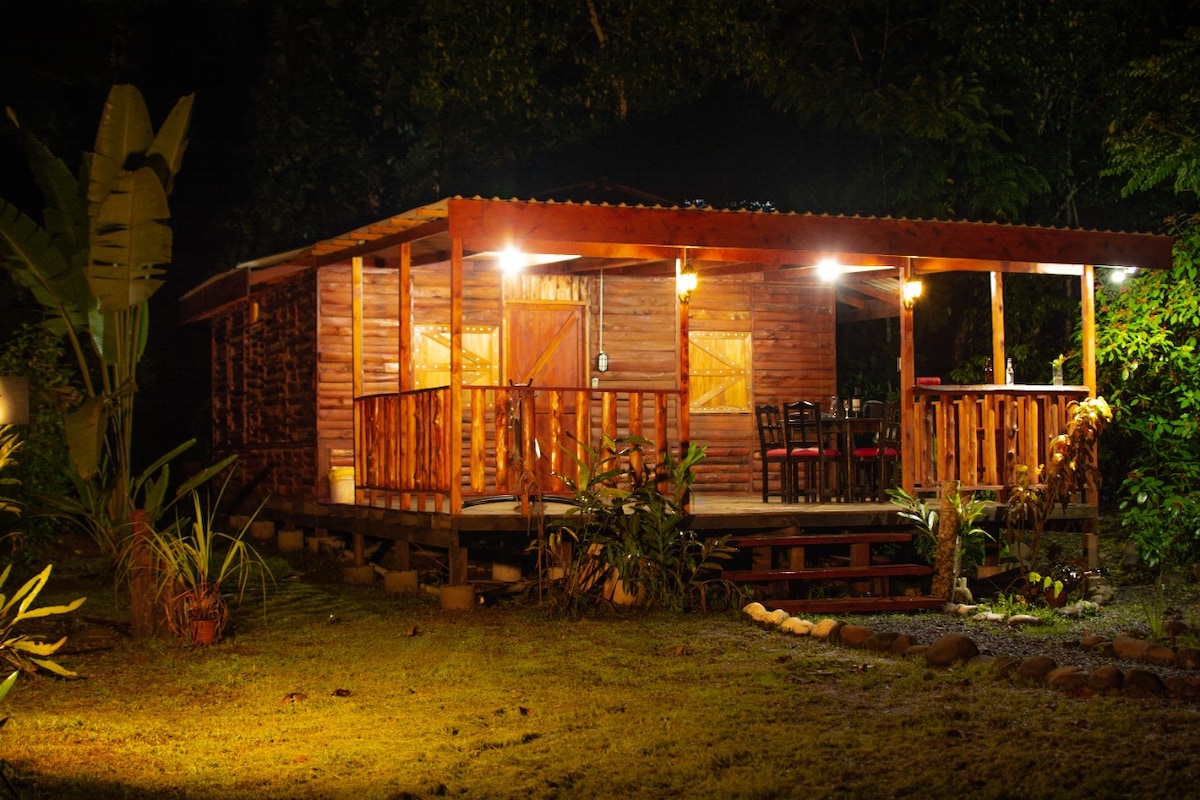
point(1056, 600)
point(204, 631)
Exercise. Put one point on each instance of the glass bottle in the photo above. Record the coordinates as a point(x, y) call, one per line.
point(989, 375)
point(1008, 373)
point(833, 405)
point(855, 403)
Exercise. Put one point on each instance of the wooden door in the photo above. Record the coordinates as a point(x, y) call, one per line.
point(545, 346)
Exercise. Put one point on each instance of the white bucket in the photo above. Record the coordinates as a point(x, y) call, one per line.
point(341, 485)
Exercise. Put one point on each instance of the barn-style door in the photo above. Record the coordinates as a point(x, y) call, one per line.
point(545, 346)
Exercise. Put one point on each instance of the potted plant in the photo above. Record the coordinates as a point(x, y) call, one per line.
point(196, 564)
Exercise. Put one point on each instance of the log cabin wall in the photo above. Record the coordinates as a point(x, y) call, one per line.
point(264, 379)
point(794, 357)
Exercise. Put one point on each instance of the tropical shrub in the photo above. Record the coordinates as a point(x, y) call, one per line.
point(1147, 334)
point(629, 527)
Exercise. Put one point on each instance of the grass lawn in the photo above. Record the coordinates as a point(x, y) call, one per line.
point(507, 702)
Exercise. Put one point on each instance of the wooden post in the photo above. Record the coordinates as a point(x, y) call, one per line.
point(454, 421)
point(999, 350)
point(356, 358)
point(1087, 308)
point(405, 317)
point(908, 379)
point(947, 545)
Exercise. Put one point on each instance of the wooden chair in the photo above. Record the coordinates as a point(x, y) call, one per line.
point(874, 464)
point(772, 442)
point(809, 449)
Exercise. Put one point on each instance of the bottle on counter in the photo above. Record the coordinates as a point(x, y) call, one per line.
point(1008, 373)
point(855, 403)
point(989, 375)
point(833, 405)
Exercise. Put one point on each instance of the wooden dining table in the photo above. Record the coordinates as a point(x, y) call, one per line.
point(845, 431)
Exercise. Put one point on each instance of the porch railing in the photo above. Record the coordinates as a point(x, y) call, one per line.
point(978, 435)
point(515, 440)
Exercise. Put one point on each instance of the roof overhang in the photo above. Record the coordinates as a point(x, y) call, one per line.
point(641, 240)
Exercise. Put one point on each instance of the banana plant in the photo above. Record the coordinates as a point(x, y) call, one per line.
point(93, 264)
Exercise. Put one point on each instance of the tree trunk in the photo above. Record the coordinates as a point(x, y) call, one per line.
point(144, 615)
point(947, 544)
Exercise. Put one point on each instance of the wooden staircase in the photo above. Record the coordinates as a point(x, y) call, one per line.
point(832, 571)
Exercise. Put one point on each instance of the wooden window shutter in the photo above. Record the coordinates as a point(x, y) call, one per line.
point(431, 356)
point(719, 374)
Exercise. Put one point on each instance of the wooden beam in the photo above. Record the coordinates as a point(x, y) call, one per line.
point(1087, 292)
point(998, 341)
point(406, 328)
point(908, 379)
point(454, 423)
point(356, 323)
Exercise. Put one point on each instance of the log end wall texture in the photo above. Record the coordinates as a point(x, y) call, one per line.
point(264, 390)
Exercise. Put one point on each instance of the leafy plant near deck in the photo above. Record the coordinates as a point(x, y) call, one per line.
point(1070, 467)
point(630, 527)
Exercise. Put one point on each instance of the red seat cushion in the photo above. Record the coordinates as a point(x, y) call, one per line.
point(778, 452)
point(812, 452)
point(873, 452)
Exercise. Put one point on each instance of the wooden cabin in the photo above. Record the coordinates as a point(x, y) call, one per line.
point(461, 351)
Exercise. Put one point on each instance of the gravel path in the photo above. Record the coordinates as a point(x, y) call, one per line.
point(1126, 614)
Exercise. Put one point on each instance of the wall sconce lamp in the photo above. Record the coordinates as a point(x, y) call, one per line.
point(686, 282)
point(912, 290)
point(14, 400)
point(602, 361)
point(1119, 274)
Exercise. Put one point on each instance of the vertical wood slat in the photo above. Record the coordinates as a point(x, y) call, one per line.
point(583, 427)
point(608, 428)
point(635, 429)
point(556, 438)
point(502, 440)
point(478, 440)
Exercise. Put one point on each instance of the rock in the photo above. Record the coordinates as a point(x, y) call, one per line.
point(1067, 679)
point(1035, 668)
point(776, 617)
point(950, 649)
point(1159, 656)
point(1019, 620)
point(879, 642)
point(1187, 658)
point(755, 611)
point(990, 616)
point(1005, 666)
point(1079, 609)
point(965, 609)
point(1142, 683)
point(981, 661)
point(1092, 641)
point(854, 635)
point(1106, 679)
point(1183, 687)
point(825, 629)
point(1127, 647)
point(901, 645)
point(916, 650)
point(797, 626)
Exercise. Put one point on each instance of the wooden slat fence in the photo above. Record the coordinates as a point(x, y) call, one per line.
point(979, 435)
point(403, 440)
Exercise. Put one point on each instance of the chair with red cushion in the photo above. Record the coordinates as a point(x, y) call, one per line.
point(874, 463)
point(809, 448)
point(772, 442)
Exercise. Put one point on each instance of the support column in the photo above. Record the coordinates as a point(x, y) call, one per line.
point(908, 379)
point(1087, 307)
point(999, 354)
point(454, 423)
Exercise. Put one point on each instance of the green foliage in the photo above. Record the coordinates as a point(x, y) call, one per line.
point(37, 354)
point(630, 527)
point(30, 652)
point(1071, 468)
point(972, 538)
point(197, 565)
point(1147, 334)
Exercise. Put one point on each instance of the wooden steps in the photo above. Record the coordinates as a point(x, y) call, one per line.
point(833, 570)
point(860, 605)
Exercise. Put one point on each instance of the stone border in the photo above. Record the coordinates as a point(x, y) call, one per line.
point(958, 648)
